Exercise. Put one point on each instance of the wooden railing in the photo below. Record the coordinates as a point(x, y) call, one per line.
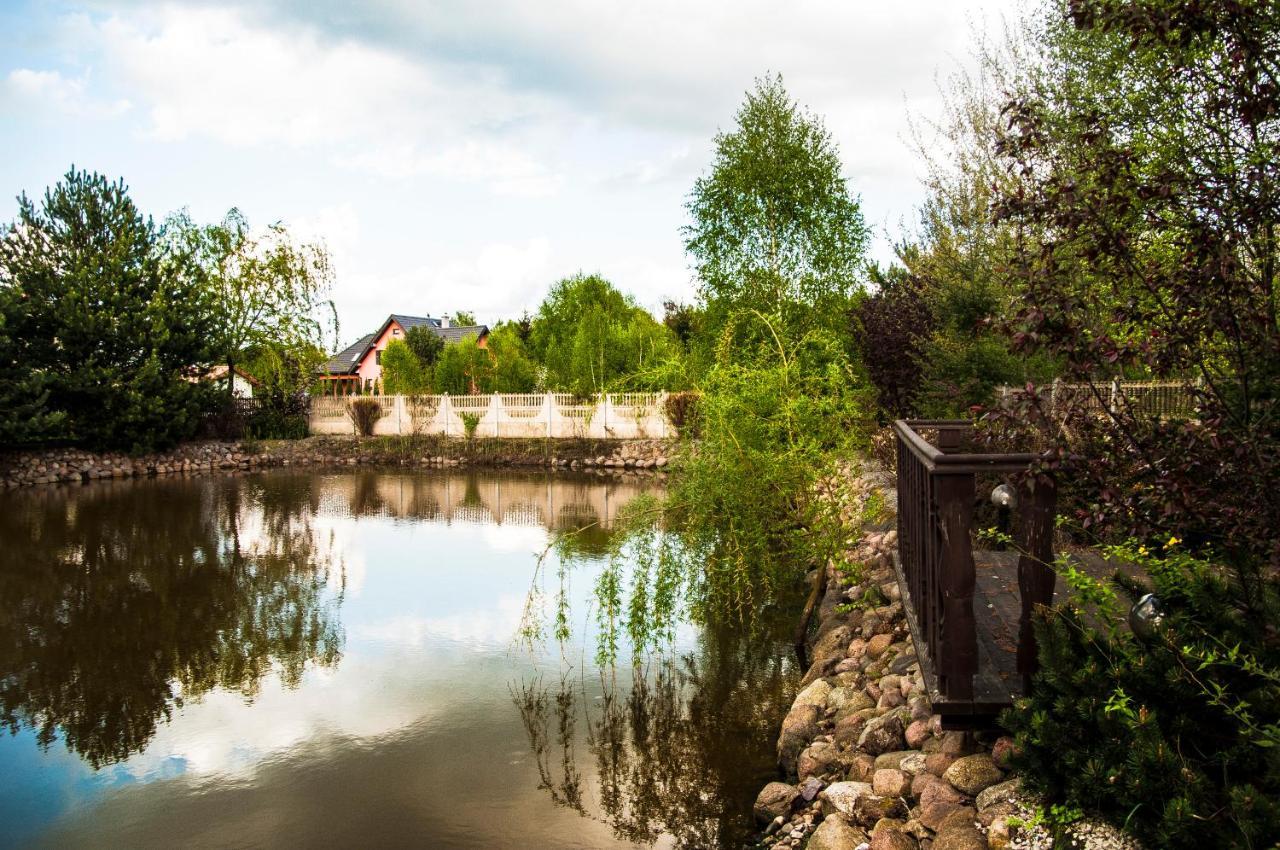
point(937, 498)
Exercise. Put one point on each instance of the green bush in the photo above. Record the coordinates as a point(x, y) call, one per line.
point(470, 422)
point(1177, 736)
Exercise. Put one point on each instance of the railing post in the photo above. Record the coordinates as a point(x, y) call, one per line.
point(958, 650)
point(1037, 504)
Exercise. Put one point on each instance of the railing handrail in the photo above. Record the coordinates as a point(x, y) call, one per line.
point(939, 461)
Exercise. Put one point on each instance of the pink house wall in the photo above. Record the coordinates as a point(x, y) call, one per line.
point(369, 369)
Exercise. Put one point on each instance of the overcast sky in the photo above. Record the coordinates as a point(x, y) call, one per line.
point(462, 155)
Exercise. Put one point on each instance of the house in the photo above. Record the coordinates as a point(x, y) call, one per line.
point(242, 383)
point(359, 366)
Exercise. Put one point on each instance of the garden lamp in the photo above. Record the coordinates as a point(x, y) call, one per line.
point(1146, 617)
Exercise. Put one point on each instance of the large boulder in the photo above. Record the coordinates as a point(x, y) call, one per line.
point(842, 797)
point(1003, 792)
point(892, 839)
point(799, 727)
point(818, 759)
point(936, 802)
point(775, 799)
point(836, 833)
point(832, 644)
point(882, 735)
point(972, 774)
point(889, 782)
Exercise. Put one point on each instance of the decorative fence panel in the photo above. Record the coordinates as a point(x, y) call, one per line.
point(618, 416)
point(1148, 398)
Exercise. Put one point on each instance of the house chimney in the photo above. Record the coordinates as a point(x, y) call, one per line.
point(444, 322)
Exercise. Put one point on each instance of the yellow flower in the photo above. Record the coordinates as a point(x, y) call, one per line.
point(1173, 541)
point(1142, 550)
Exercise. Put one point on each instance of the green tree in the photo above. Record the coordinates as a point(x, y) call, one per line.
point(105, 313)
point(260, 289)
point(513, 371)
point(463, 319)
point(402, 372)
point(25, 416)
point(426, 345)
point(591, 338)
point(774, 227)
point(464, 367)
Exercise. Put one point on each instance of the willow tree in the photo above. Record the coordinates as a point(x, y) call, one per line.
point(774, 226)
point(262, 289)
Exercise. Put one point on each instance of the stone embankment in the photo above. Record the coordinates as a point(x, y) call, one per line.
point(866, 762)
point(52, 466)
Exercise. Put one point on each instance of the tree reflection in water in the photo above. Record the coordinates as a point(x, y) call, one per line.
point(123, 601)
point(679, 752)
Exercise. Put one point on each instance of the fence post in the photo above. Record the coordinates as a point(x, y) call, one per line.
point(1037, 504)
point(1115, 391)
point(448, 412)
point(958, 647)
point(495, 409)
point(546, 408)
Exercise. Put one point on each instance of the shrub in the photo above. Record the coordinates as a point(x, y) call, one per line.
point(364, 413)
point(683, 413)
point(1179, 736)
point(470, 422)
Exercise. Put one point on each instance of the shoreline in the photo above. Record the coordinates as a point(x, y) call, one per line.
point(72, 465)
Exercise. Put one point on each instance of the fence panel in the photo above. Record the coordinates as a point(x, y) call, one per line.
point(563, 415)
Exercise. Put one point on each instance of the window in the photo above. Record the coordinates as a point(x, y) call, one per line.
point(377, 357)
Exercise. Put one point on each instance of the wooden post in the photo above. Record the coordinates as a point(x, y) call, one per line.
point(958, 647)
point(1037, 505)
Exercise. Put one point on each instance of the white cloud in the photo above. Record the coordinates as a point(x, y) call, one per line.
point(66, 94)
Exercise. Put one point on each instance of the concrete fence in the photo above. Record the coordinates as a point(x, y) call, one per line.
point(611, 415)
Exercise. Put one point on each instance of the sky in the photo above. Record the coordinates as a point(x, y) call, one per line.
point(459, 155)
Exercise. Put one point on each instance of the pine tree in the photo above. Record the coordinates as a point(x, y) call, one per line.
point(111, 322)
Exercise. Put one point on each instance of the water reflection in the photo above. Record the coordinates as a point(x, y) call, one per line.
point(326, 659)
point(673, 750)
point(122, 603)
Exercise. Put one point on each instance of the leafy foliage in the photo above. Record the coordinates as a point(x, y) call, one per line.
point(591, 338)
point(104, 318)
point(403, 372)
point(1142, 182)
point(774, 227)
point(891, 329)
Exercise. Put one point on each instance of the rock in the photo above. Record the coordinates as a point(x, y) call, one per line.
point(836, 833)
point(913, 764)
point(892, 839)
point(955, 743)
point(815, 693)
point(878, 644)
point(1003, 792)
point(810, 788)
point(917, 733)
point(1002, 752)
point(971, 774)
point(849, 729)
point(775, 799)
point(817, 759)
point(892, 760)
point(832, 644)
point(882, 735)
point(999, 836)
point(891, 698)
point(861, 768)
point(936, 802)
point(889, 782)
point(960, 839)
point(937, 763)
point(854, 700)
point(842, 797)
point(962, 818)
point(799, 727)
point(920, 782)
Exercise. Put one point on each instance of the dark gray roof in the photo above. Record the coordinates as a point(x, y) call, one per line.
point(407, 322)
point(455, 334)
point(346, 361)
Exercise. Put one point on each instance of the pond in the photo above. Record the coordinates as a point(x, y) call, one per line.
point(335, 659)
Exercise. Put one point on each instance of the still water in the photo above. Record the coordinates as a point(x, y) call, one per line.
point(302, 659)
